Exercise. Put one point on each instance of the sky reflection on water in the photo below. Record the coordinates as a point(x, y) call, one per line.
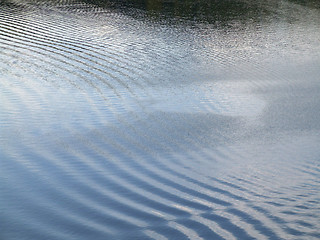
point(159, 119)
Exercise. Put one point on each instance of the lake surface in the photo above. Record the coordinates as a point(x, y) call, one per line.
point(159, 119)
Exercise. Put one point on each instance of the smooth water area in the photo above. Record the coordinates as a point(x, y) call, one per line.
point(159, 119)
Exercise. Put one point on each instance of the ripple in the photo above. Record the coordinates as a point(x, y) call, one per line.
point(117, 125)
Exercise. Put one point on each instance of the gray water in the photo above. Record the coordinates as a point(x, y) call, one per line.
point(159, 119)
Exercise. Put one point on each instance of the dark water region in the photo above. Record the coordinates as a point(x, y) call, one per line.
point(208, 11)
point(159, 119)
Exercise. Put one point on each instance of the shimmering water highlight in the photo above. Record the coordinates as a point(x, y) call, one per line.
point(159, 119)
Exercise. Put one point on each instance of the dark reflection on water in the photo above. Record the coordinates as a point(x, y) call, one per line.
point(208, 11)
point(159, 119)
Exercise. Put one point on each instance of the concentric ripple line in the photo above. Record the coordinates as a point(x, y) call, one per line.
point(47, 40)
point(42, 47)
point(142, 151)
point(255, 223)
point(229, 153)
point(151, 173)
point(69, 198)
point(72, 72)
point(38, 52)
point(47, 69)
point(47, 206)
point(227, 224)
point(175, 58)
point(164, 58)
point(78, 44)
point(164, 64)
point(278, 224)
point(157, 180)
point(177, 176)
point(219, 233)
point(65, 62)
point(140, 166)
point(73, 192)
point(264, 229)
point(191, 234)
point(132, 177)
point(155, 235)
point(30, 92)
point(127, 189)
point(225, 183)
point(15, 46)
point(111, 179)
point(197, 228)
point(64, 77)
point(42, 30)
point(96, 56)
point(108, 74)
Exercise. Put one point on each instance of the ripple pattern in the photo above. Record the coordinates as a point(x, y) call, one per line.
point(116, 127)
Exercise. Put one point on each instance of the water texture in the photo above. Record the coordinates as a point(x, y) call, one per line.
point(159, 119)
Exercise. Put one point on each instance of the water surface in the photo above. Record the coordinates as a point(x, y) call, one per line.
point(159, 119)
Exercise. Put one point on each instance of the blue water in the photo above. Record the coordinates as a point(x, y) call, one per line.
point(159, 119)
